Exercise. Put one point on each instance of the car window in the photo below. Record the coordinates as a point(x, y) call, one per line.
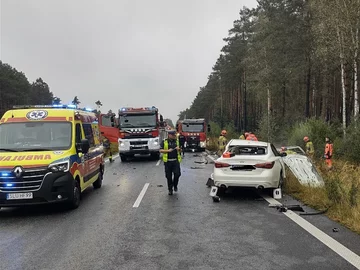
point(78, 135)
point(275, 151)
point(247, 150)
point(89, 134)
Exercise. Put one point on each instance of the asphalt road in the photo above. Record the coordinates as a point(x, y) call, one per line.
point(114, 229)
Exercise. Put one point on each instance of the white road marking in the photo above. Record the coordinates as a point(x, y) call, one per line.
point(141, 195)
point(343, 251)
point(158, 163)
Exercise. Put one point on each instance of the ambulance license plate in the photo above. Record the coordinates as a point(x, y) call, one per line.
point(19, 196)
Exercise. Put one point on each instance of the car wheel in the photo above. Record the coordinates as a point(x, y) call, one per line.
point(123, 158)
point(216, 199)
point(98, 183)
point(281, 181)
point(76, 196)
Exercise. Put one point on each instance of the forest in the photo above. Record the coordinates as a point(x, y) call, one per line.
point(288, 69)
point(15, 89)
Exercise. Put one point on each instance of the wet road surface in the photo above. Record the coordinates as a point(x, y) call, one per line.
point(132, 223)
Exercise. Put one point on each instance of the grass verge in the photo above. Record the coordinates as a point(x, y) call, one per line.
point(340, 195)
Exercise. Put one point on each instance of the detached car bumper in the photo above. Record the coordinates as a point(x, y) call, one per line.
point(55, 188)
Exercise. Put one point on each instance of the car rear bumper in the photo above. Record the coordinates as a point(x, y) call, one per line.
point(253, 181)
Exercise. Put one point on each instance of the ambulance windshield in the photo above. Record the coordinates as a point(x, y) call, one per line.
point(35, 136)
point(138, 121)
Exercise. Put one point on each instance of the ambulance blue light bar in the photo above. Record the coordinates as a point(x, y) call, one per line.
point(59, 106)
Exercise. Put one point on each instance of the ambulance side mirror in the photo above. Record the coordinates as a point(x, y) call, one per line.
point(177, 127)
point(84, 146)
point(208, 128)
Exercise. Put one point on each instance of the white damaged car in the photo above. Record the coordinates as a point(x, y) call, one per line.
point(252, 164)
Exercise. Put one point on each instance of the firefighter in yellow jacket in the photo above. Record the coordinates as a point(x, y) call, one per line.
point(107, 148)
point(309, 147)
point(222, 142)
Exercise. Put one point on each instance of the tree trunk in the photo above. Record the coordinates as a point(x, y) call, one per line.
point(245, 103)
point(308, 90)
point(268, 110)
point(356, 85)
point(343, 73)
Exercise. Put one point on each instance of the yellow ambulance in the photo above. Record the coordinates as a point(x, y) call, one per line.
point(49, 154)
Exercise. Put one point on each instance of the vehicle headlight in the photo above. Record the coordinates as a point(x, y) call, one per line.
point(202, 144)
point(121, 143)
point(156, 141)
point(63, 166)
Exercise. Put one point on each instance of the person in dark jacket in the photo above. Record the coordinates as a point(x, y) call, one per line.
point(182, 141)
point(171, 150)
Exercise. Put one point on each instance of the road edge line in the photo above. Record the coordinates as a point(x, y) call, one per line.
point(158, 163)
point(350, 256)
point(141, 195)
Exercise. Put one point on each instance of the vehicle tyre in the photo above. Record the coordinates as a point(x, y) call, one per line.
point(216, 199)
point(155, 156)
point(123, 158)
point(75, 198)
point(281, 181)
point(98, 183)
point(221, 191)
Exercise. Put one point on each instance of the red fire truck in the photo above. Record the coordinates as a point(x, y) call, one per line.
point(109, 127)
point(141, 132)
point(194, 131)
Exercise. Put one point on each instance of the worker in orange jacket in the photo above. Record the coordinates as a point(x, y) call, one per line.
point(328, 152)
point(251, 137)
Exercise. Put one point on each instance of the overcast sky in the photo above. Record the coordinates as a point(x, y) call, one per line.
point(125, 53)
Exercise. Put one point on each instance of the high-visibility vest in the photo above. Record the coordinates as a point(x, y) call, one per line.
point(106, 143)
point(310, 147)
point(222, 141)
point(166, 147)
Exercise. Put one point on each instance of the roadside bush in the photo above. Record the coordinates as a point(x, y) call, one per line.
point(316, 130)
point(348, 147)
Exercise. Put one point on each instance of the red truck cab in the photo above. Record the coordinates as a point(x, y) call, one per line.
point(109, 127)
point(195, 133)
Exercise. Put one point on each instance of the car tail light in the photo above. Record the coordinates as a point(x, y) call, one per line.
point(266, 165)
point(221, 165)
point(228, 155)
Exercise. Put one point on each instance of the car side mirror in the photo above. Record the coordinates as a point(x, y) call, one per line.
point(84, 146)
point(161, 118)
point(283, 154)
point(208, 128)
point(177, 127)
